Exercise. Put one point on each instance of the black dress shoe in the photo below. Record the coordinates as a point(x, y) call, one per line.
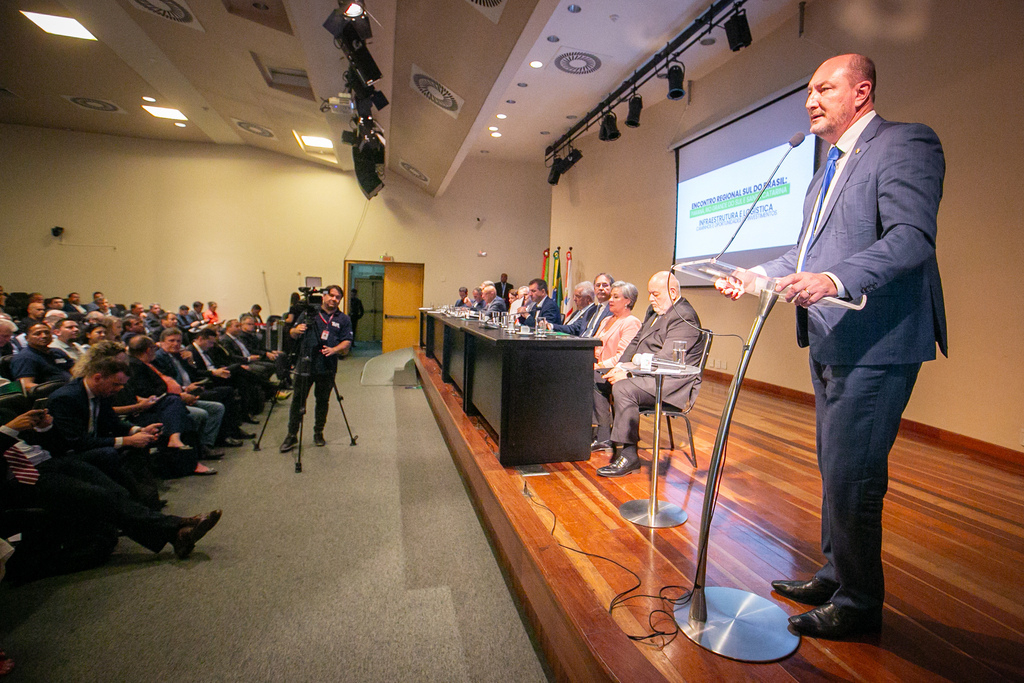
point(230, 442)
point(196, 527)
point(601, 446)
point(833, 622)
point(620, 466)
point(814, 592)
point(290, 442)
point(318, 439)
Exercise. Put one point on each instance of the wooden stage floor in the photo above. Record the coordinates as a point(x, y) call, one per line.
point(953, 549)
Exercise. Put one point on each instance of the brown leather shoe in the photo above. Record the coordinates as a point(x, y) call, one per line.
point(194, 528)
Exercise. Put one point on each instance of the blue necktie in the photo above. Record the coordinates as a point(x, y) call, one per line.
point(830, 170)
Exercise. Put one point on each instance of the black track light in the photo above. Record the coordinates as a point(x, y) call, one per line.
point(556, 171)
point(636, 104)
point(560, 166)
point(737, 30)
point(609, 128)
point(676, 73)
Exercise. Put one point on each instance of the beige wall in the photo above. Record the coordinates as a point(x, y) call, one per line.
point(192, 221)
point(948, 64)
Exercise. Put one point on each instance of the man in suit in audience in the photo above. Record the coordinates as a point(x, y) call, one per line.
point(73, 306)
point(153, 319)
point(213, 362)
point(540, 306)
point(669, 319)
point(94, 305)
point(131, 325)
point(583, 309)
point(492, 304)
point(503, 287)
point(31, 477)
point(870, 224)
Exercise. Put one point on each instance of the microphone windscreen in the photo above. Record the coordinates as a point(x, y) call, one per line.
point(796, 140)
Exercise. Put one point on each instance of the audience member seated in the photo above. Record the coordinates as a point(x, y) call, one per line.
point(94, 305)
point(492, 304)
point(73, 306)
point(35, 314)
point(669, 319)
point(103, 306)
point(477, 302)
point(54, 304)
point(7, 330)
point(173, 362)
point(618, 329)
point(169, 321)
point(463, 300)
point(583, 310)
point(132, 326)
point(540, 306)
point(213, 365)
point(255, 313)
point(197, 309)
point(137, 309)
point(153, 320)
point(37, 363)
point(210, 317)
point(73, 489)
point(145, 400)
point(602, 292)
point(94, 333)
point(65, 338)
point(249, 335)
point(188, 320)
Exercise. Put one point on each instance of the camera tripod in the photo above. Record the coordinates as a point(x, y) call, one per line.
point(302, 379)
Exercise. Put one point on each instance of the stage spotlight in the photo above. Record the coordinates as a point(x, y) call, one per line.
point(560, 166)
point(676, 73)
point(368, 159)
point(609, 128)
point(571, 158)
point(352, 9)
point(636, 104)
point(556, 171)
point(737, 30)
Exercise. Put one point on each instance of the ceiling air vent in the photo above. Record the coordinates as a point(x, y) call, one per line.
point(414, 172)
point(437, 93)
point(491, 9)
point(94, 104)
point(255, 129)
point(177, 11)
point(577, 62)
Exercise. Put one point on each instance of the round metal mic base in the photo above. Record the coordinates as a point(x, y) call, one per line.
point(740, 626)
point(639, 512)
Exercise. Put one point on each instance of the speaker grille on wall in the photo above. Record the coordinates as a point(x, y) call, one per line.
point(94, 104)
point(577, 62)
point(177, 11)
point(438, 95)
point(414, 172)
point(255, 129)
point(491, 9)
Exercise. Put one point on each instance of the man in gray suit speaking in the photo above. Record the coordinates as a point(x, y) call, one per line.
point(869, 229)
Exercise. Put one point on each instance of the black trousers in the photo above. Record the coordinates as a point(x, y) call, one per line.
point(72, 487)
point(324, 384)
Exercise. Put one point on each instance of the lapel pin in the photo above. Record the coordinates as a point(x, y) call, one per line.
point(857, 151)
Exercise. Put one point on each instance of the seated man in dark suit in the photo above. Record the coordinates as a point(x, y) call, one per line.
point(73, 306)
point(167, 322)
point(213, 362)
point(669, 319)
point(493, 304)
point(583, 309)
point(37, 363)
point(152, 320)
point(462, 301)
point(30, 477)
point(477, 301)
point(94, 305)
point(541, 305)
point(131, 325)
point(173, 362)
point(247, 334)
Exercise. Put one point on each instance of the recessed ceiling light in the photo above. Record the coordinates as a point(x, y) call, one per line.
point(522, 85)
point(495, 134)
point(485, 151)
point(510, 101)
point(317, 141)
point(574, 9)
point(492, 128)
point(552, 39)
point(545, 132)
point(536, 65)
point(165, 112)
point(179, 124)
point(501, 116)
point(59, 26)
point(571, 117)
point(148, 99)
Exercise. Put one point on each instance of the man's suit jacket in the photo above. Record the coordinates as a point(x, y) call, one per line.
point(497, 305)
point(69, 407)
point(548, 311)
point(580, 324)
point(877, 236)
point(503, 288)
point(656, 335)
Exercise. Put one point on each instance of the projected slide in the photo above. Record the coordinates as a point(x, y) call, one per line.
point(711, 205)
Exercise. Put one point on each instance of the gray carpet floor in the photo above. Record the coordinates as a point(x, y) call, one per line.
point(369, 566)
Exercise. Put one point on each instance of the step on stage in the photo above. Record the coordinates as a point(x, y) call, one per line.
point(953, 549)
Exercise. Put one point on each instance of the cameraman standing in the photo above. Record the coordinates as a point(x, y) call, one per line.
point(322, 337)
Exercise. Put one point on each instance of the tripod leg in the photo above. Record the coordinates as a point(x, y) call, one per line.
point(266, 421)
point(337, 394)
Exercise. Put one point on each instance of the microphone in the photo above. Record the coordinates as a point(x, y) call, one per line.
point(793, 143)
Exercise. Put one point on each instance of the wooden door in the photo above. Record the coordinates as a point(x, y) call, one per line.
point(403, 297)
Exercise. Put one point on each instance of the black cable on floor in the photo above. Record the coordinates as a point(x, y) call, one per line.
point(623, 597)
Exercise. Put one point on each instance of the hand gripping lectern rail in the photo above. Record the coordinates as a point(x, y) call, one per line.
point(730, 622)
